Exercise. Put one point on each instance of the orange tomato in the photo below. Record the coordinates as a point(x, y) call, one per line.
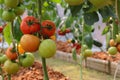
point(53, 37)
point(20, 49)
point(112, 42)
point(11, 54)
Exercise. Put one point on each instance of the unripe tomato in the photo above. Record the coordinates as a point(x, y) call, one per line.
point(27, 59)
point(8, 15)
point(30, 43)
point(19, 10)
point(29, 25)
point(11, 3)
point(118, 38)
point(112, 50)
point(74, 2)
point(10, 67)
point(48, 28)
point(100, 3)
point(87, 53)
point(47, 48)
point(11, 53)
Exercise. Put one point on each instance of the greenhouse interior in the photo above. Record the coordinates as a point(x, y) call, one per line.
point(59, 39)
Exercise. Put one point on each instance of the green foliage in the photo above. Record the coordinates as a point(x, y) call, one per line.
point(16, 30)
point(106, 30)
point(74, 54)
point(7, 33)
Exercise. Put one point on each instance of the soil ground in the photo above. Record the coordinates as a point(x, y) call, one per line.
point(73, 71)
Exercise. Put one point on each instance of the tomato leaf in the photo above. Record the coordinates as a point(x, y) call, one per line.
point(106, 30)
point(16, 30)
point(56, 1)
point(7, 33)
point(88, 40)
point(74, 55)
point(91, 18)
point(107, 12)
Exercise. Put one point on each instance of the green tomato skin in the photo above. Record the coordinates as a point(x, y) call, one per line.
point(100, 3)
point(74, 2)
point(11, 3)
point(87, 53)
point(19, 10)
point(8, 15)
point(112, 50)
point(118, 38)
point(47, 48)
point(3, 58)
point(10, 67)
point(27, 60)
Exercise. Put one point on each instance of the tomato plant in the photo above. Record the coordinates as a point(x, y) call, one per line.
point(29, 25)
point(1, 29)
point(47, 48)
point(27, 59)
point(48, 28)
point(29, 43)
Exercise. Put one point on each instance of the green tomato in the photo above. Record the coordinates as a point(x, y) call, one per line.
point(87, 53)
point(84, 47)
point(11, 3)
point(47, 48)
point(19, 10)
point(74, 2)
point(112, 50)
point(21, 1)
point(118, 38)
point(1, 1)
point(100, 3)
point(27, 59)
point(10, 67)
point(3, 58)
point(8, 15)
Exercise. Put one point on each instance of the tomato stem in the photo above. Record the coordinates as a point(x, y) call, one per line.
point(45, 69)
point(9, 76)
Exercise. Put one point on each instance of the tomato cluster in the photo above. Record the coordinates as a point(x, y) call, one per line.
point(12, 9)
point(114, 45)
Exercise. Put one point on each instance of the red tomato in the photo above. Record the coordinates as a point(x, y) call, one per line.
point(48, 28)
point(1, 29)
point(29, 25)
point(61, 33)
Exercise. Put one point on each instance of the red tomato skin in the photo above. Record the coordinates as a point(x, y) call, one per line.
point(29, 25)
point(48, 28)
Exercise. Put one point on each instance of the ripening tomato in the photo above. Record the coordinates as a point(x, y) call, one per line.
point(1, 29)
point(48, 28)
point(11, 53)
point(30, 43)
point(29, 25)
point(112, 42)
point(20, 49)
